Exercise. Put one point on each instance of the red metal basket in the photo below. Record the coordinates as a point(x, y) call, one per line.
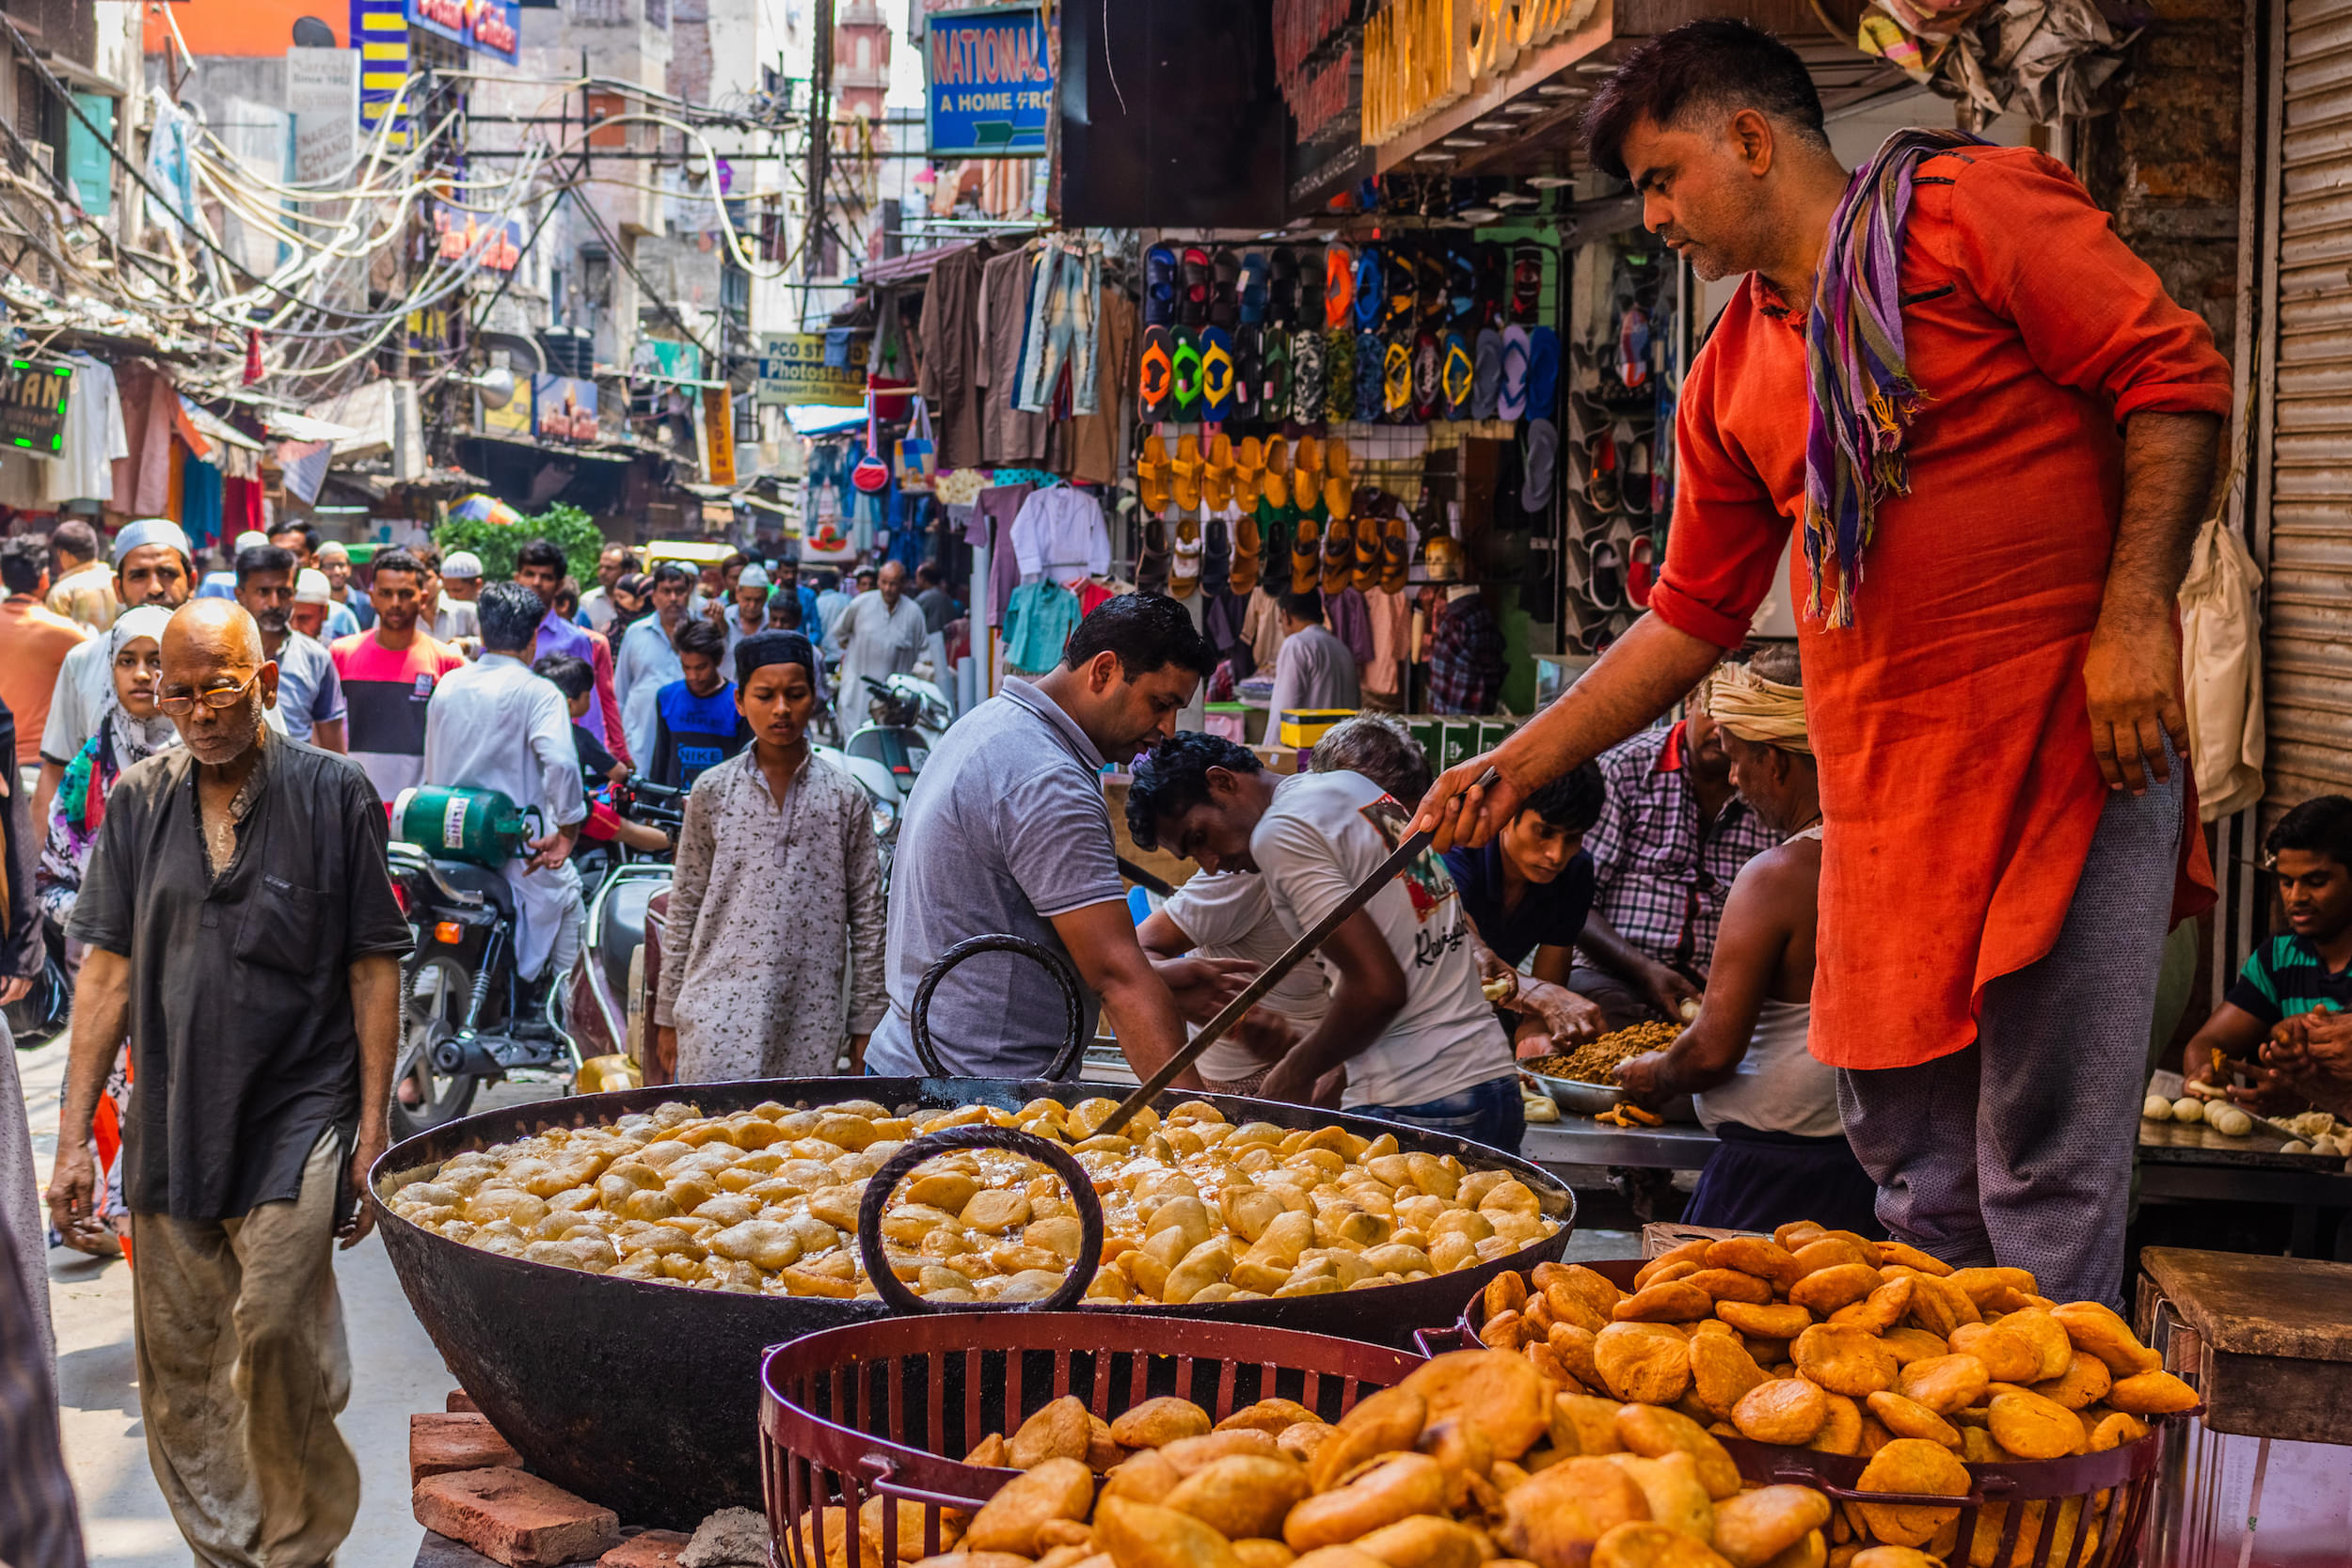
point(883, 1409)
point(2115, 1486)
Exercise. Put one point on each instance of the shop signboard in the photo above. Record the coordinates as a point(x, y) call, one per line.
point(990, 84)
point(718, 430)
point(323, 96)
point(33, 397)
point(563, 409)
point(1422, 55)
point(485, 26)
point(499, 244)
point(793, 373)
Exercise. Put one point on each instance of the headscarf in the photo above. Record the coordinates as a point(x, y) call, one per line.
point(764, 648)
point(1759, 711)
point(127, 739)
point(150, 530)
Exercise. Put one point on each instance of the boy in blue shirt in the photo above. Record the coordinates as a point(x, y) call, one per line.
point(695, 723)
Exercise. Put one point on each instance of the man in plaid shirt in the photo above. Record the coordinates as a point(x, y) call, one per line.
point(1466, 661)
point(1672, 836)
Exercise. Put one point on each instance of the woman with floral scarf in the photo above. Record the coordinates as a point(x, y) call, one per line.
point(130, 730)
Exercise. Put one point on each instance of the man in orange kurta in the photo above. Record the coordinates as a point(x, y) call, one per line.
point(2007, 833)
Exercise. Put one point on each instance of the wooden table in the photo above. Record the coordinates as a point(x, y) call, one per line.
point(2188, 1161)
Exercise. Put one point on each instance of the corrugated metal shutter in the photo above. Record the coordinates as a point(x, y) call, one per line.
point(2309, 641)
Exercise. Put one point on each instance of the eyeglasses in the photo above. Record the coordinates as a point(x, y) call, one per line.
point(229, 696)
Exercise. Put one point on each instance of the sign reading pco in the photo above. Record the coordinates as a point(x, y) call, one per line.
point(1420, 55)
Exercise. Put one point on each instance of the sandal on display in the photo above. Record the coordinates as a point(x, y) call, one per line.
point(1307, 463)
point(1152, 556)
point(1159, 286)
point(1339, 538)
point(1369, 530)
point(1306, 553)
point(1369, 378)
point(1430, 281)
point(1249, 372)
point(1543, 372)
point(1216, 475)
point(1600, 470)
point(1274, 375)
point(1457, 376)
point(1493, 281)
point(1184, 471)
point(1461, 286)
point(1512, 403)
point(1527, 282)
point(1370, 301)
point(1641, 571)
point(1637, 477)
point(1396, 553)
point(1183, 378)
point(1396, 379)
point(1633, 348)
point(1152, 475)
point(1607, 586)
point(1254, 298)
point(1428, 393)
point(1216, 554)
point(1486, 373)
point(1217, 375)
point(1187, 575)
point(1248, 471)
point(1336, 459)
point(1338, 285)
point(1281, 287)
point(1338, 379)
point(1156, 383)
point(1307, 371)
point(1541, 465)
point(1192, 296)
point(1247, 542)
point(1225, 288)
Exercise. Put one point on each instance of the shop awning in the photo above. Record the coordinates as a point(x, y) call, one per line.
point(915, 265)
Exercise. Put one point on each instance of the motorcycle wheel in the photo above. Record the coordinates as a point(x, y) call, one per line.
point(431, 1011)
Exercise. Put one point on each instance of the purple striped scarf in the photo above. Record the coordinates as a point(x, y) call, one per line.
point(1864, 399)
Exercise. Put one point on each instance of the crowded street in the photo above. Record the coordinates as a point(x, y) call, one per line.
point(1199, 783)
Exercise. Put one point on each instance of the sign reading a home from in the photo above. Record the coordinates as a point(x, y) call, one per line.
point(991, 87)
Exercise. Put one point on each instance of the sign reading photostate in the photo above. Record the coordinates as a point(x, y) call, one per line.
point(793, 373)
point(991, 87)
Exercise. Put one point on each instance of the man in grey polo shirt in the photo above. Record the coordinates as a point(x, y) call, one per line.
point(1007, 831)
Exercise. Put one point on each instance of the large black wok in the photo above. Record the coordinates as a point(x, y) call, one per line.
point(645, 1397)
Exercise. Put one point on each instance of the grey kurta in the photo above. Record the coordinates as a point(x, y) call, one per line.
point(768, 907)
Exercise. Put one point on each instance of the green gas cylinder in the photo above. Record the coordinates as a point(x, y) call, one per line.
point(478, 825)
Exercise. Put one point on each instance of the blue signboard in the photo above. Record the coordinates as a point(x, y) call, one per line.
point(485, 26)
point(990, 84)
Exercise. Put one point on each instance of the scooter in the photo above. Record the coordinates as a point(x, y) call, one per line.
point(909, 715)
point(609, 993)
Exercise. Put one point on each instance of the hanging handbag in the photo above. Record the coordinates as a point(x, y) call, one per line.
point(871, 475)
point(918, 456)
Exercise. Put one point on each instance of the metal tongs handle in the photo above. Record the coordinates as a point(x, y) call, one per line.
point(1215, 1030)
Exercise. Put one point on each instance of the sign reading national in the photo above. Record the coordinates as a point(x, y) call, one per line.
point(992, 86)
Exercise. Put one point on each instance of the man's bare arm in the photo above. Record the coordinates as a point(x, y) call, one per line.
point(1366, 995)
point(1644, 672)
point(1102, 940)
point(1748, 954)
point(375, 1013)
point(2132, 674)
point(102, 1017)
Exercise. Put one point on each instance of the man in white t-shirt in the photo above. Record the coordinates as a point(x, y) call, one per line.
point(1229, 915)
point(1407, 1018)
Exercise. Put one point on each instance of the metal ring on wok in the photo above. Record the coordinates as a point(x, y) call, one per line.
point(884, 1181)
point(1055, 965)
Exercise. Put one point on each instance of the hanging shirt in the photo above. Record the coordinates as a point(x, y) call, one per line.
point(693, 734)
point(1059, 533)
point(1038, 623)
point(2033, 334)
point(1322, 836)
point(495, 725)
point(94, 437)
point(387, 692)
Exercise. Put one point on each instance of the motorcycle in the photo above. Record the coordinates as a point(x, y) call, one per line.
point(465, 1013)
point(609, 991)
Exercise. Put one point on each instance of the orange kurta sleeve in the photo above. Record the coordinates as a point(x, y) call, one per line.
point(1723, 549)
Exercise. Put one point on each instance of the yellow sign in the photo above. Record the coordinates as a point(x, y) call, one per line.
point(719, 435)
point(793, 372)
point(1422, 56)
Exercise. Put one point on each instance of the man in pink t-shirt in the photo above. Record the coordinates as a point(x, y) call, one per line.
point(388, 675)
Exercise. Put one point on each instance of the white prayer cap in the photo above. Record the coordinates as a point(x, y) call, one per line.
point(310, 587)
point(751, 576)
point(151, 530)
point(463, 563)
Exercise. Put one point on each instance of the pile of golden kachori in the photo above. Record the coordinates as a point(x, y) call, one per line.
point(1467, 1462)
point(1195, 1209)
point(1824, 1339)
